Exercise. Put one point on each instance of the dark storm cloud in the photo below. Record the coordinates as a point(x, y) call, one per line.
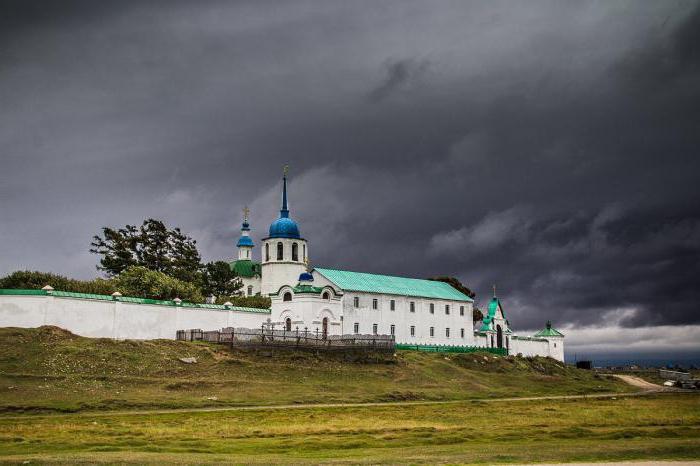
point(551, 148)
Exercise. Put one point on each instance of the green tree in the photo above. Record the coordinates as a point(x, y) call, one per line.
point(152, 245)
point(219, 280)
point(142, 282)
point(32, 280)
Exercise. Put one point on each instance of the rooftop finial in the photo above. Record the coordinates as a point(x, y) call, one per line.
point(285, 211)
point(549, 325)
point(246, 212)
point(494, 290)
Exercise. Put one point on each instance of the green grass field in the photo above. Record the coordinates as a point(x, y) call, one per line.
point(69, 400)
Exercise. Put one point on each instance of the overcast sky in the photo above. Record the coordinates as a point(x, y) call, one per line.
point(550, 147)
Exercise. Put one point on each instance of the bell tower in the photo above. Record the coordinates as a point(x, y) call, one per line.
point(245, 243)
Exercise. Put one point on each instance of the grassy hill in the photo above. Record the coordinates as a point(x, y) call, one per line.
point(49, 369)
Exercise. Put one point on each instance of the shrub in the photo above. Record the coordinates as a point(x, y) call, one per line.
point(141, 282)
point(260, 302)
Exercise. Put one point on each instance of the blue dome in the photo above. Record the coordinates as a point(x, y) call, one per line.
point(245, 241)
point(284, 227)
point(306, 277)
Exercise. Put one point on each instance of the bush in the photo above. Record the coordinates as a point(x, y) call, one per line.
point(145, 283)
point(33, 280)
point(260, 302)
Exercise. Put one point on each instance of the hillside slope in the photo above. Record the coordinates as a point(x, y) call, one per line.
point(51, 369)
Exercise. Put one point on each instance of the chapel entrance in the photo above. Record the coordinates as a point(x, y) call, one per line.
point(324, 327)
point(288, 324)
point(499, 336)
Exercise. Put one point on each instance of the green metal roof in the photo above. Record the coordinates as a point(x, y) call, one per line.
point(246, 268)
point(488, 318)
point(130, 299)
point(386, 284)
point(309, 289)
point(548, 331)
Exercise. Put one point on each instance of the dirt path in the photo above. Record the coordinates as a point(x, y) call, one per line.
point(624, 463)
point(648, 389)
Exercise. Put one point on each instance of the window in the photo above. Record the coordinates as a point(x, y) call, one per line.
point(356, 302)
point(432, 308)
point(447, 309)
point(461, 332)
point(295, 252)
point(413, 330)
point(392, 305)
point(303, 254)
point(461, 310)
point(375, 328)
point(357, 328)
point(412, 306)
point(555, 345)
point(280, 251)
point(267, 252)
point(326, 295)
point(250, 290)
point(447, 332)
point(288, 324)
point(375, 303)
point(287, 296)
point(247, 254)
point(432, 331)
point(392, 330)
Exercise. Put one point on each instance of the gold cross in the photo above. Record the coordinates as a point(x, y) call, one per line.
point(246, 211)
point(286, 170)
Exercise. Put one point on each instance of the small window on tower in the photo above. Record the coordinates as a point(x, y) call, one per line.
point(326, 295)
point(295, 252)
point(461, 332)
point(447, 332)
point(250, 290)
point(392, 330)
point(267, 252)
point(447, 309)
point(280, 251)
point(287, 296)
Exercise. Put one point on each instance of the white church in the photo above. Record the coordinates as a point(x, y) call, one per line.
point(336, 302)
point(419, 313)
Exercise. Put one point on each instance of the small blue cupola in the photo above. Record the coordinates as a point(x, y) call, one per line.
point(245, 242)
point(284, 227)
point(306, 277)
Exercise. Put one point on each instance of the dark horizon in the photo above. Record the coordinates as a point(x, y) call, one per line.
point(550, 148)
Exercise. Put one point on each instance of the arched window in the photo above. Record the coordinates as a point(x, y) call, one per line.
point(288, 324)
point(303, 249)
point(267, 252)
point(295, 252)
point(287, 296)
point(250, 290)
point(280, 251)
point(326, 295)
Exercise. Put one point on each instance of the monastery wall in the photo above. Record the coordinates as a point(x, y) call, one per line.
point(114, 319)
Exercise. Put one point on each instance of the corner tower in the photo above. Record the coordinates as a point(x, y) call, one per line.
point(284, 251)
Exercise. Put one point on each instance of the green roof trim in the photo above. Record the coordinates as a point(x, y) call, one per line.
point(246, 268)
point(548, 331)
point(451, 349)
point(308, 289)
point(387, 284)
point(132, 300)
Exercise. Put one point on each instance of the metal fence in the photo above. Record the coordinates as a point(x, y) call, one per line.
point(302, 339)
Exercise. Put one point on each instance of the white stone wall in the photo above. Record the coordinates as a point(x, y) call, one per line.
point(307, 311)
point(530, 346)
point(114, 319)
point(402, 318)
point(285, 272)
